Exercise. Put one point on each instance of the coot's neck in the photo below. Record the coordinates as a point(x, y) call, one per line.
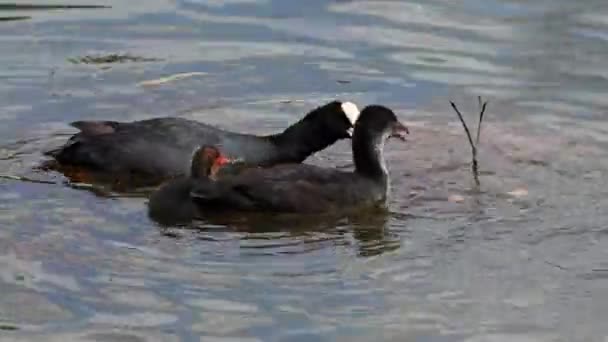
point(303, 138)
point(368, 154)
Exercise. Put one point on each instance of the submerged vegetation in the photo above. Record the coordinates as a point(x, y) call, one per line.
point(110, 58)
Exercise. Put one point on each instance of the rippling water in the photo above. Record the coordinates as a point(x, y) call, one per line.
point(522, 259)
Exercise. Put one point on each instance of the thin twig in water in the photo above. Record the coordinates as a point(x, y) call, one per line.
point(473, 148)
point(482, 110)
point(464, 124)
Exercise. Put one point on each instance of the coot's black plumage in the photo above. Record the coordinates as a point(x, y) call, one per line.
point(160, 148)
point(302, 188)
point(171, 203)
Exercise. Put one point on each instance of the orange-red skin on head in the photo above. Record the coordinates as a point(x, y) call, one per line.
point(221, 160)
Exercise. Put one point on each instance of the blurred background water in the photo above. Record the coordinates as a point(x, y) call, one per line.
point(524, 259)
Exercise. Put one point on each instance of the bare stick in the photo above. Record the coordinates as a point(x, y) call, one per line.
point(466, 128)
point(482, 110)
point(473, 147)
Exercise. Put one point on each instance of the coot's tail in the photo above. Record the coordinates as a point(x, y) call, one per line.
point(67, 151)
point(90, 128)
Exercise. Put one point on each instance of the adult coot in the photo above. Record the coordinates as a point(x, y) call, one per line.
point(302, 188)
point(156, 149)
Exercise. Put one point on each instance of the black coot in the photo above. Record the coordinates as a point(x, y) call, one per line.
point(302, 188)
point(171, 203)
point(157, 149)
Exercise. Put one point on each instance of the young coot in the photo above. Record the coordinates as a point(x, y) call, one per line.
point(171, 203)
point(156, 149)
point(302, 188)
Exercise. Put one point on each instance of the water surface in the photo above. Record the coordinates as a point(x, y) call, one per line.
point(523, 258)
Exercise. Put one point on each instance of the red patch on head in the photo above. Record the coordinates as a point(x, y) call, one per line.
point(221, 160)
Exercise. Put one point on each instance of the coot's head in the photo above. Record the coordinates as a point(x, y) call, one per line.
point(206, 162)
point(378, 121)
point(337, 118)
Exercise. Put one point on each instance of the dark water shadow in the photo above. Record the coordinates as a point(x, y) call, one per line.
point(369, 229)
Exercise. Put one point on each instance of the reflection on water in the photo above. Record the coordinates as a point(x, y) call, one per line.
point(521, 258)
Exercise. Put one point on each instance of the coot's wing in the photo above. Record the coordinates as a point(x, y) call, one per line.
point(285, 188)
point(301, 196)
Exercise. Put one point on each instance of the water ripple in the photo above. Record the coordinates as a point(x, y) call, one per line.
point(520, 258)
